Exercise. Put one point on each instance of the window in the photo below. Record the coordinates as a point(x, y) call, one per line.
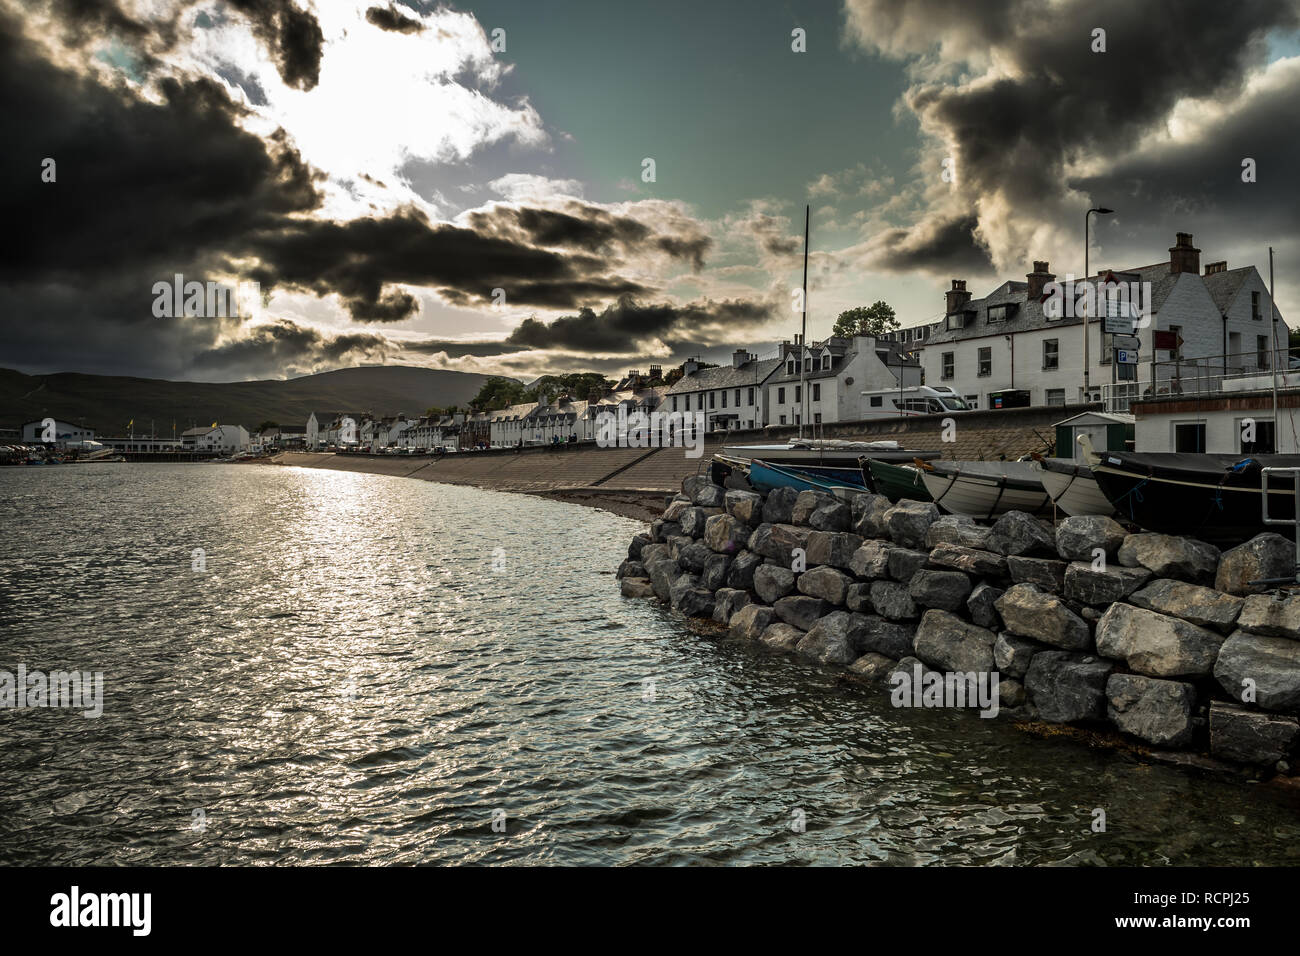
point(712, 399)
point(782, 419)
point(798, 393)
point(674, 403)
point(789, 367)
point(1177, 353)
point(817, 418)
point(1055, 396)
point(948, 365)
point(724, 399)
point(1263, 435)
point(1261, 346)
point(817, 392)
point(985, 362)
point(807, 364)
point(1190, 437)
point(972, 402)
point(780, 399)
point(1104, 354)
point(1051, 354)
point(1255, 313)
point(1000, 313)
point(876, 401)
point(737, 398)
point(751, 398)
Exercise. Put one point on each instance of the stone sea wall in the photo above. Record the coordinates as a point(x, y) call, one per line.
point(1161, 639)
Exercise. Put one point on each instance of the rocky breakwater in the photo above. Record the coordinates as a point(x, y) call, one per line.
point(1159, 639)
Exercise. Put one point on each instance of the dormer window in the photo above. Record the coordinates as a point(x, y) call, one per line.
point(789, 368)
point(1000, 313)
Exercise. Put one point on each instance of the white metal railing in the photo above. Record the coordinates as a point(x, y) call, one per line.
point(1198, 376)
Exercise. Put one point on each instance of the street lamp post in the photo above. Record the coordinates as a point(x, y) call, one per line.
point(1087, 221)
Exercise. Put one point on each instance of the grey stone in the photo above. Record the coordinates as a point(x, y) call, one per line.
point(676, 543)
point(1203, 606)
point(662, 573)
point(830, 640)
point(983, 564)
point(1067, 687)
point(695, 519)
point(728, 602)
point(778, 541)
point(778, 506)
point(725, 534)
point(1264, 556)
point(693, 483)
point(782, 637)
point(751, 621)
point(1047, 573)
point(1115, 583)
point(1265, 614)
point(1079, 536)
point(688, 597)
point(661, 530)
point(959, 530)
point(676, 509)
point(1011, 693)
point(1171, 557)
point(885, 637)
point(637, 588)
point(904, 562)
point(858, 597)
point(653, 552)
point(772, 583)
point(709, 496)
point(1250, 737)
point(694, 555)
point(833, 548)
point(806, 504)
point(908, 522)
point(801, 611)
point(1030, 612)
point(868, 517)
point(981, 605)
point(637, 546)
point(1157, 645)
point(715, 571)
point(1019, 533)
point(833, 516)
point(909, 667)
point(891, 600)
point(825, 583)
point(871, 561)
point(631, 569)
point(745, 506)
point(1154, 710)
point(872, 666)
point(1272, 663)
point(1012, 654)
point(741, 573)
point(946, 590)
point(948, 643)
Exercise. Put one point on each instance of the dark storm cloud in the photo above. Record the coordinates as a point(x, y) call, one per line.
point(945, 244)
point(626, 325)
point(292, 35)
point(388, 18)
point(287, 346)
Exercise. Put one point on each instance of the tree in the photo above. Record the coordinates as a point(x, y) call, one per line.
point(576, 385)
point(875, 319)
point(498, 392)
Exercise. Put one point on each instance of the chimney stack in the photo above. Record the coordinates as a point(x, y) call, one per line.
point(1214, 268)
point(1183, 257)
point(739, 358)
point(1037, 280)
point(957, 296)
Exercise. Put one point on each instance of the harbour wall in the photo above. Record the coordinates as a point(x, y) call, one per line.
point(1146, 641)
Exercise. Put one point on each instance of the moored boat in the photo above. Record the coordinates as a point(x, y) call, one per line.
point(765, 476)
point(825, 453)
point(895, 482)
point(1072, 487)
point(985, 489)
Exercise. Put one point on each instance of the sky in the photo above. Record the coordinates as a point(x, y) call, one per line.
point(466, 186)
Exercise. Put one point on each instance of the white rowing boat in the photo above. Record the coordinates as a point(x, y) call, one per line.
point(1073, 488)
point(985, 489)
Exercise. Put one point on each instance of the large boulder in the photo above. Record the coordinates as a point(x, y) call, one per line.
point(1157, 711)
point(771, 583)
point(806, 503)
point(1012, 654)
point(872, 666)
point(630, 569)
point(725, 534)
point(745, 506)
point(778, 541)
point(1202, 606)
point(694, 520)
point(1272, 664)
point(637, 546)
point(871, 560)
point(653, 552)
point(1248, 736)
point(782, 637)
point(904, 562)
point(1067, 687)
point(1079, 537)
point(831, 640)
point(715, 571)
point(956, 557)
point(662, 572)
point(1087, 585)
point(833, 548)
point(801, 611)
point(1272, 616)
point(832, 516)
point(1022, 534)
point(869, 515)
point(637, 588)
point(728, 602)
point(959, 530)
point(946, 642)
point(661, 530)
point(858, 597)
point(1030, 612)
point(1047, 573)
point(693, 483)
point(751, 621)
point(676, 508)
point(891, 600)
point(1157, 645)
point(1264, 556)
point(1168, 556)
point(694, 556)
point(778, 506)
point(981, 605)
point(885, 637)
point(741, 573)
point(825, 583)
point(709, 496)
point(688, 597)
point(946, 590)
point(908, 522)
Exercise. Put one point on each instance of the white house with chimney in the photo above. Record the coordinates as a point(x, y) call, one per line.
point(835, 372)
point(730, 396)
point(219, 439)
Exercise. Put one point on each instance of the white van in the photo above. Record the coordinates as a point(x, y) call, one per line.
point(913, 400)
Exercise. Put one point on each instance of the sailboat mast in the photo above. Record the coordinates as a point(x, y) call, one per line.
point(803, 336)
point(1272, 321)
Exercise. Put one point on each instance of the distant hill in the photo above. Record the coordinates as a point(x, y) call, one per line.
point(108, 402)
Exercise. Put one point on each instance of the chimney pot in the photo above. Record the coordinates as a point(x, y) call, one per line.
point(1038, 280)
point(957, 296)
point(1183, 256)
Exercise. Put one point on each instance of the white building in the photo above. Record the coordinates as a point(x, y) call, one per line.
point(220, 439)
point(731, 396)
point(33, 433)
point(1006, 341)
point(507, 425)
point(836, 372)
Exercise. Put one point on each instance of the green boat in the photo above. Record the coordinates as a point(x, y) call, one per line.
point(895, 482)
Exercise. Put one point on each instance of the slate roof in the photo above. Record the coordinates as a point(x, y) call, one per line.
point(725, 376)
